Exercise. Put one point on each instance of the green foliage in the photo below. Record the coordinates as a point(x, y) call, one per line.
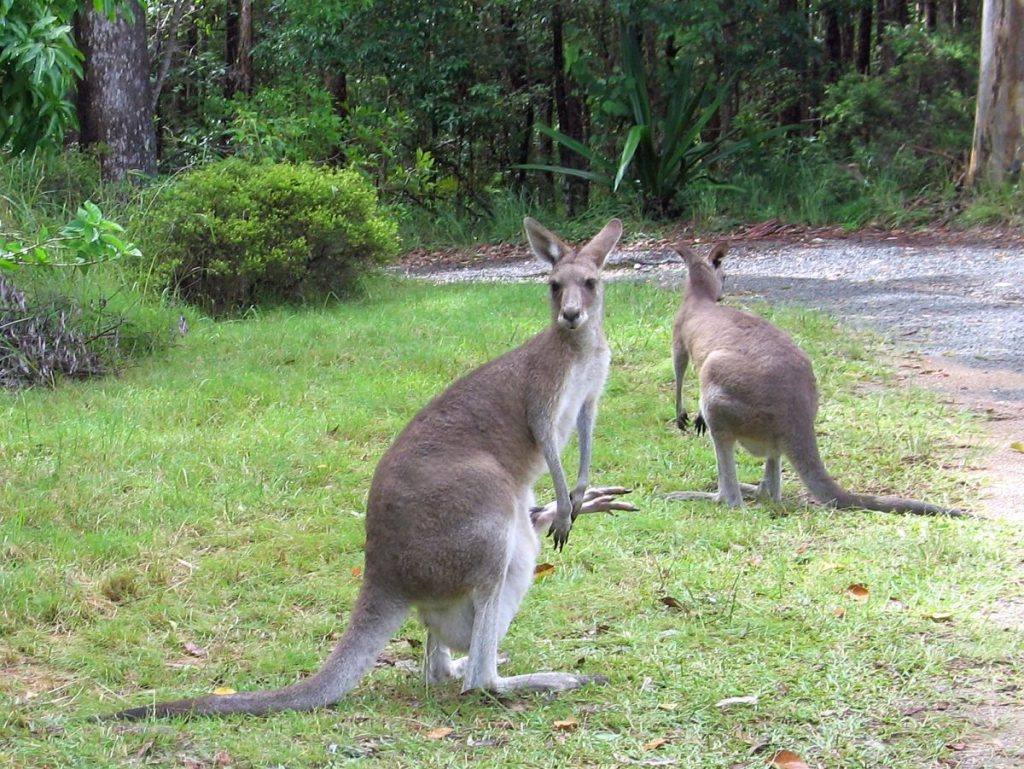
point(925, 100)
point(88, 239)
point(1003, 204)
point(406, 181)
point(39, 65)
point(233, 235)
point(662, 151)
point(43, 187)
point(810, 187)
point(297, 123)
point(66, 308)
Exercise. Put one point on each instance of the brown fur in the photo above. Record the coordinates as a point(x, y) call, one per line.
point(758, 390)
point(448, 524)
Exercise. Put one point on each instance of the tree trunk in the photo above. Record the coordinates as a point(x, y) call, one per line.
point(889, 13)
point(791, 61)
point(864, 40)
point(115, 110)
point(997, 153)
point(238, 47)
point(336, 84)
point(516, 60)
point(930, 14)
point(570, 115)
point(833, 46)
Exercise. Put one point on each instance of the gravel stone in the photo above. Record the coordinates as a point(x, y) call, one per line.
point(965, 302)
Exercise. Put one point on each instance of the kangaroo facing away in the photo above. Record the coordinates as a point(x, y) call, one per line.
point(451, 527)
point(757, 388)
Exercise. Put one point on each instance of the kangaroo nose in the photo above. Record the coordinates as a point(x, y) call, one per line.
point(571, 315)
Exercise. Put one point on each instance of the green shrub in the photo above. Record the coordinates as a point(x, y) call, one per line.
point(295, 123)
point(925, 100)
point(234, 235)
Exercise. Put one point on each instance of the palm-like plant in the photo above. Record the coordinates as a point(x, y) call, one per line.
point(661, 152)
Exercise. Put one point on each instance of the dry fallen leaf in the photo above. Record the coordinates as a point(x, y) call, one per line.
point(654, 744)
point(543, 570)
point(568, 725)
point(357, 571)
point(858, 592)
point(787, 759)
point(1017, 446)
point(194, 649)
point(839, 612)
point(750, 699)
point(222, 690)
point(957, 746)
point(939, 616)
point(669, 706)
point(672, 603)
point(440, 733)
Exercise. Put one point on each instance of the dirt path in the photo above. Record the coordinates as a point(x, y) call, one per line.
point(982, 391)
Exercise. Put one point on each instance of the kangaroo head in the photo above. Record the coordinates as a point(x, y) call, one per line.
point(708, 271)
point(575, 280)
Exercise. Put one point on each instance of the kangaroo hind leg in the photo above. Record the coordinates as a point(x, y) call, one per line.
point(729, 490)
point(493, 610)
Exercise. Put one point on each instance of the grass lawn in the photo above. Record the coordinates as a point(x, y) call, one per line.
point(197, 523)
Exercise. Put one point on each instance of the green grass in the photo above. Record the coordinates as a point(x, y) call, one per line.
point(212, 495)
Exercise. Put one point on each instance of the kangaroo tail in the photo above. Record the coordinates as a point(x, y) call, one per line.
point(827, 491)
point(376, 617)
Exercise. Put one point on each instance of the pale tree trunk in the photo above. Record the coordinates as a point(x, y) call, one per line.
point(998, 147)
point(238, 48)
point(115, 109)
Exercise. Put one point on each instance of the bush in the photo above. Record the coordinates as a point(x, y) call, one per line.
point(66, 306)
point(925, 100)
point(234, 235)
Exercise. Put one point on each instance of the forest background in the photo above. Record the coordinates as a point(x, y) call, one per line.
point(201, 145)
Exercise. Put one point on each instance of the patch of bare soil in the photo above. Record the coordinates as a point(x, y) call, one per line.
point(982, 390)
point(992, 710)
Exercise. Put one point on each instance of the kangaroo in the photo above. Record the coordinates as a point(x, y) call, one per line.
point(451, 528)
point(757, 388)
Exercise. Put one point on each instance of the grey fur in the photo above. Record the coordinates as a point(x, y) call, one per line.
point(448, 525)
point(757, 389)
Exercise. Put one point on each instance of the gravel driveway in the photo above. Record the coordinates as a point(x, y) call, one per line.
point(965, 302)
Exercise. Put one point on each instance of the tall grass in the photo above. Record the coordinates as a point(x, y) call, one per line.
point(813, 189)
point(105, 305)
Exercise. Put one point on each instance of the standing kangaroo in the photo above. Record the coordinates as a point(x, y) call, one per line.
point(451, 527)
point(756, 388)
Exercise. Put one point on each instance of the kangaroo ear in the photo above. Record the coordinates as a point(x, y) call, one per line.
point(546, 245)
point(718, 252)
point(603, 242)
point(689, 256)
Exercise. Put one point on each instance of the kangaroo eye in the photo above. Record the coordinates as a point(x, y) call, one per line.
point(590, 284)
point(555, 287)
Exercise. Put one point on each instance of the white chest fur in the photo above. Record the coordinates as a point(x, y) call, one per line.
point(584, 381)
